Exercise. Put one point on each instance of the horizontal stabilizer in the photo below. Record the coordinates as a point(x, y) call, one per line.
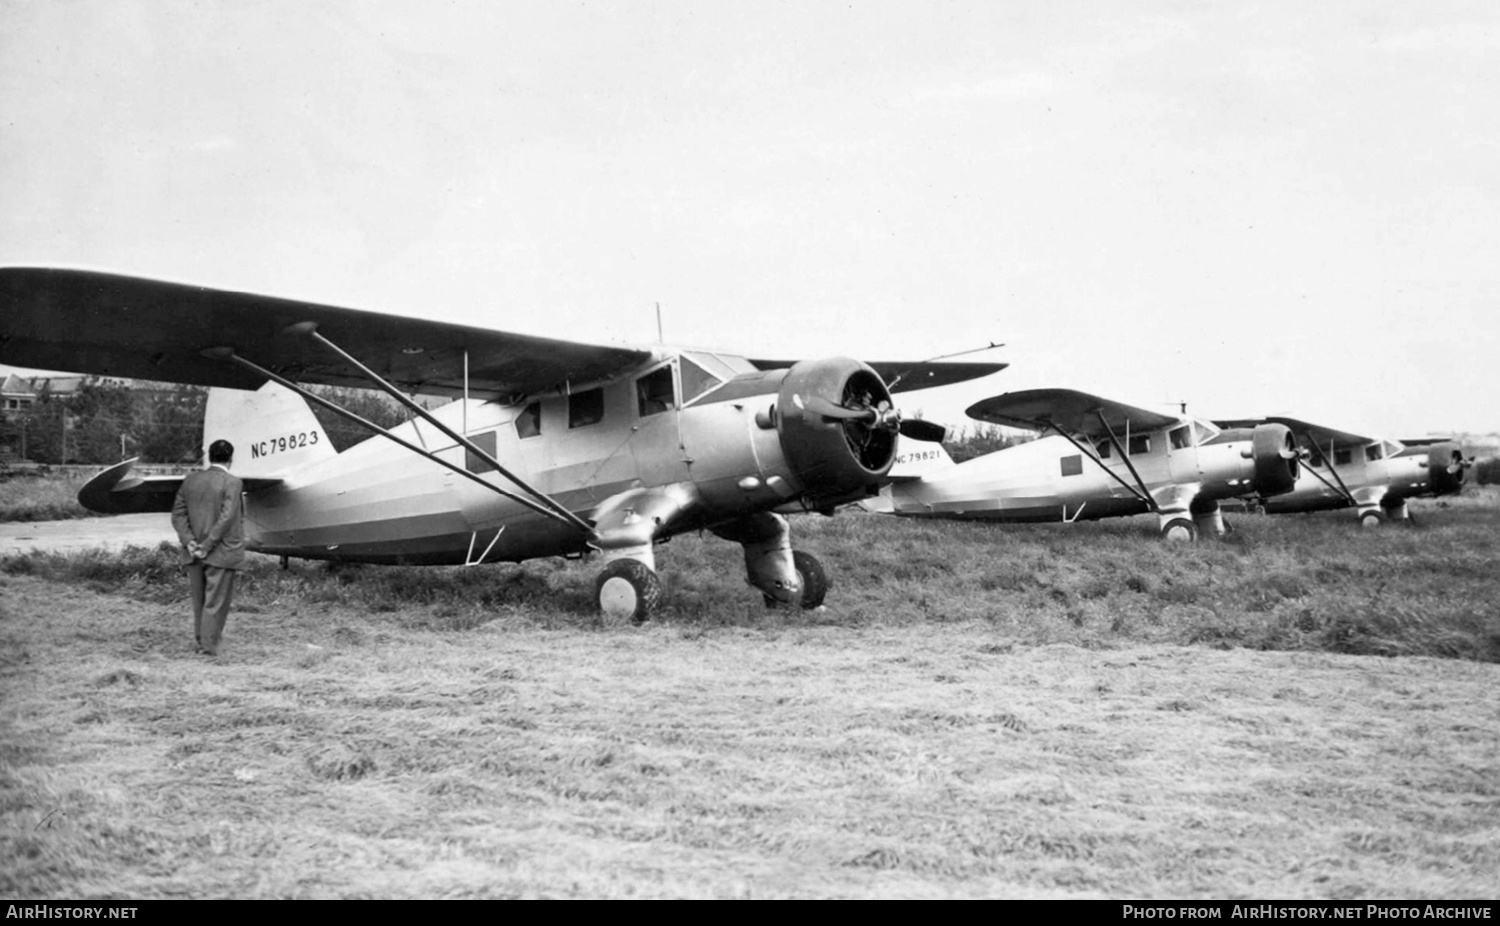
point(118, 491)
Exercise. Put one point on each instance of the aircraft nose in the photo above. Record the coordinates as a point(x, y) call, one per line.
point(1277, 460)
point(837, 428)
point(1446, 467)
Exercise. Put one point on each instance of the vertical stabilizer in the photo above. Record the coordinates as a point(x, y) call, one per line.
point(917, 459)
point(273, 429)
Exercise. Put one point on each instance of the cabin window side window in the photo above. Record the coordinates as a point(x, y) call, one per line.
point(655, 393)
point(1140, 444)
point(1102, 449)
point(1342, 457)
point(473, 462)
point(585, 408)
point(696, 379)
point(529, 421)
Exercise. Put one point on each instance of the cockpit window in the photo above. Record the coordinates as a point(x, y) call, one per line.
point(585, 408)
point(1181, 438)
point(529, 421)
point(701, 373)
point(1374, 452)
point(655, 393)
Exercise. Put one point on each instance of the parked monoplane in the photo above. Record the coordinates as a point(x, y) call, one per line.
point(1372, 475)
point(1104, 459)
point(552, 448)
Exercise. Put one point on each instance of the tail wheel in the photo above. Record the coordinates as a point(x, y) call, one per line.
point(813, 577)
point(628, 589)
point(1179, 530)
point(1371, 519)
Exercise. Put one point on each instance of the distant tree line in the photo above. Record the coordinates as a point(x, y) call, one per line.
point(977, 440)
point(106, 421)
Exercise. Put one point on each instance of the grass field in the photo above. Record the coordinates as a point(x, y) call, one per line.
point(1047, 711)
point(50, 497)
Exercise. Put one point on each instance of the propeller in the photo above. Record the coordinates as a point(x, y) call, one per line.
point(1290, 450)
point(880, 415)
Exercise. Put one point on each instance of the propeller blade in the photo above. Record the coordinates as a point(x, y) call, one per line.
point(917, 429)
point(821, 406)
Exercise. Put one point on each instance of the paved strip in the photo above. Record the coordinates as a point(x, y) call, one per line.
point(83, 533)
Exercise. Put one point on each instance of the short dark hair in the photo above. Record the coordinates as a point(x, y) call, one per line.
point(220, 451)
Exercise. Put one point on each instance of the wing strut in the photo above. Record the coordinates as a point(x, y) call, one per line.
point(1092, 458)
point(1333, 469)
point(311, 330)
point(1142, 493)
point(229, 354)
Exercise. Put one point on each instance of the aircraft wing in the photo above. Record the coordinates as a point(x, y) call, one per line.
point(908, 377)
point(1424, 441)
point(1067, 410)
point(1305, 431)
point(110, 325)
point(116, 491)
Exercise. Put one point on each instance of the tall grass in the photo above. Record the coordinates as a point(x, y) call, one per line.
point(49, 497)
point(976, 712)
point(1300, 583)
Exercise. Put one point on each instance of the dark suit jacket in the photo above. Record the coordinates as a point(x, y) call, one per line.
point(207, 510)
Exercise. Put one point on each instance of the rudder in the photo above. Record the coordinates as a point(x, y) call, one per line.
point(272, 429)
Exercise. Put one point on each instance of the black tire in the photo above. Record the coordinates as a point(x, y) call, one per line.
point(814, 581)
point(1179, 530)
point(1371, 519)
point(627, 589)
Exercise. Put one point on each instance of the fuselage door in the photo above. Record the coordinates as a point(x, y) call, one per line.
point(1182, 454)
point(656, 436)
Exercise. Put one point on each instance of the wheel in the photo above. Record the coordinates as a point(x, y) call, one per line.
point(1179, 530)
point(813, 577)
point(628, 589)
point(1371, 519)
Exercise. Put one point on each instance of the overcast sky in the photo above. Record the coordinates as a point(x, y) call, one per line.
point(1259, 208)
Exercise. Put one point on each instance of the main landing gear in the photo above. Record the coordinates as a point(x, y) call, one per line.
point(813, 578)
point(629, 589)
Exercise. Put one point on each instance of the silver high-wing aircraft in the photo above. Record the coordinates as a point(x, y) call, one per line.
point(1106, 459)
point(1369, 474)
point(554, 448)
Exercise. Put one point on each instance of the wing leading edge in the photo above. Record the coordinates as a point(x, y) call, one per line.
point(112, 325)
point(1068, 411)
point(908, 377)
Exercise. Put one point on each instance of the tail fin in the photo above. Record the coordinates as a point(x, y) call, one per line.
point(915, 459)
point(273, 429)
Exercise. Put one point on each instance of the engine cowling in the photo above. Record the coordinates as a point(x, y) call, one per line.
point(1445, 468)
point(837, 428)
point(1274, 452)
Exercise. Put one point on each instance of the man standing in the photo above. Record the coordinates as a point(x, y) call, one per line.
point(207, 518)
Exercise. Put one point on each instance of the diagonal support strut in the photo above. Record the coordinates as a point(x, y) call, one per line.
point(229, 354)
